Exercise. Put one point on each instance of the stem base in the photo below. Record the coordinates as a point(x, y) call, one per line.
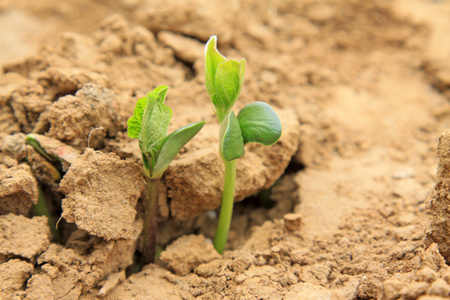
point(226, 210)
point(150, 221)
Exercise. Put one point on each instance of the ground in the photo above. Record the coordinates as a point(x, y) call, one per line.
point(351, 203)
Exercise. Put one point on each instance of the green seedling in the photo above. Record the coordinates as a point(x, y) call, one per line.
point(53, 164)
point(149, 125)
point(255, 123)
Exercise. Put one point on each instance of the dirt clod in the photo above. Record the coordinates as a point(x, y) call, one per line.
point(13, 275)
point(101, 194)
point(86, 261)
point(18, 189)
point(438, 202)
point(39, 285)
point(72, 118)
point(292, 222)
point(187, 253)
point(23, 237)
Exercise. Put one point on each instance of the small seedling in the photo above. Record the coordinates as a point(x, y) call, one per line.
point(53, 164)
point(149, 125)
point(255, 123)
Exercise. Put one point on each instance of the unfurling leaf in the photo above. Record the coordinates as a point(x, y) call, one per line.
point(212, 59)
point(135, 122)
point(231, 141)
point(259, 124)
point(224, 78)
point(228, 82)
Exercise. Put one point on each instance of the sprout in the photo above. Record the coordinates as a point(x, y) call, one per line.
point(149, 125)
point(255, 123)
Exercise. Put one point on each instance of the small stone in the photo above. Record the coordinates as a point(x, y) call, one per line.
point(292, 222)
point(240, 278)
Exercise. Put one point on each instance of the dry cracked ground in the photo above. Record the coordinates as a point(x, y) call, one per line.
point(351, 203)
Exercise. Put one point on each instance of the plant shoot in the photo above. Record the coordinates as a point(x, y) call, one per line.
point(149, 125)
point(255, 123)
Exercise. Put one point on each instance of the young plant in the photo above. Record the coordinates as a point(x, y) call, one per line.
point(149, 125)
point(255, 123)
point(53, 165)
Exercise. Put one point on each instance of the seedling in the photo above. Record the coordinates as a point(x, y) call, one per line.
point(53, 164)
point(255, 123)
point(149, 125)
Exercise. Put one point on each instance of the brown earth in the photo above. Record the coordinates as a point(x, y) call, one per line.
point(347, 205)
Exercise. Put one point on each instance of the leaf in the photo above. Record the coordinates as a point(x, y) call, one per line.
point(33, 142)
point(155, 122)
point(231, 140)
point(161, 92)
point(173, 144)
point(259, 124)
point(223, 77)
point(134, 123)
point(212, 59)
point(229, 79)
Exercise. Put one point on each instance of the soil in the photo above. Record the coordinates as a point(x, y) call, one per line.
point(351, 203)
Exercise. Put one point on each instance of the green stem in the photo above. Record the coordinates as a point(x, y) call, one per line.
point(226, 210)
point(40, 209)
point(151, 220)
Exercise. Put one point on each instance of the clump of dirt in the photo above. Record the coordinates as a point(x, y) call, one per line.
point(14, 274)
point(101, 194)
point(80, 266)
point(19, 190)
point(438, 203)
point(73, 119)
point(187, 253)
point(23, 237)
point(25, 98)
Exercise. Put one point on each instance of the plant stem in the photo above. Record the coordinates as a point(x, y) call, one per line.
point(40, 209)
point(150, 221)
point(226, 210)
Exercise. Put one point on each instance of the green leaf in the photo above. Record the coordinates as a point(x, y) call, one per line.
point(231, 140)
point(161, 92)
point(229, 79)
point(155, 122)
point(259, 124)
point(173, 144)
point(152, 121)
point(33, 142)
point(212, 59)
point(134, 123)
point(223, 78)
